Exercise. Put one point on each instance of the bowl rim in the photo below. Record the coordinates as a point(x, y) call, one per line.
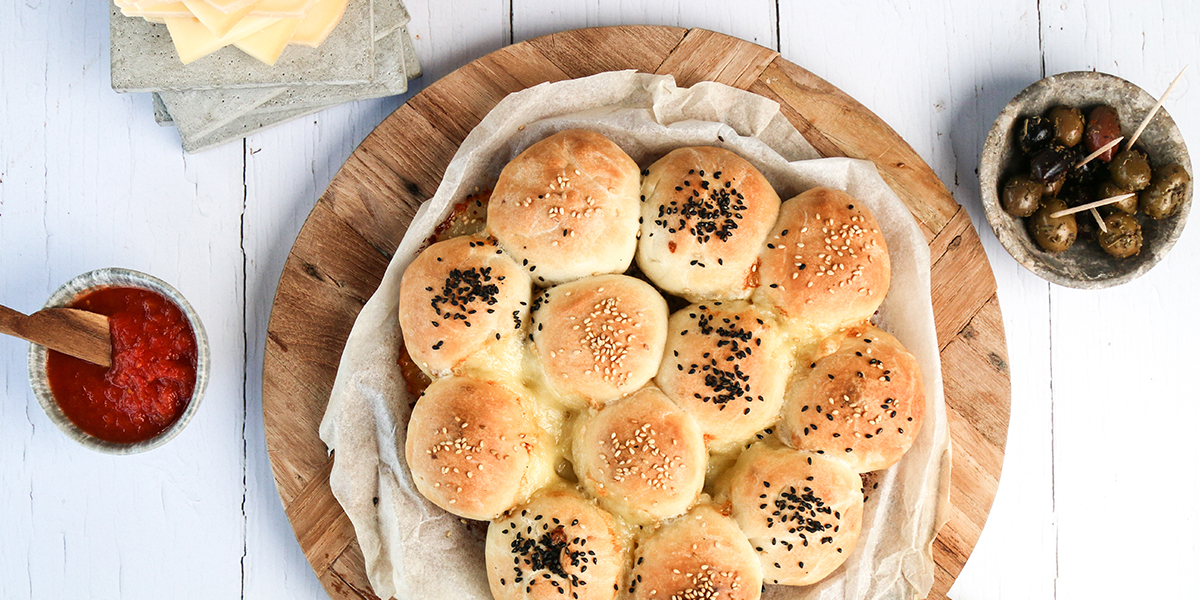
point(992, 171)
point(118, 277)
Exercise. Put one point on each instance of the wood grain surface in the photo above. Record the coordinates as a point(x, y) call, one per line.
point(346, 242)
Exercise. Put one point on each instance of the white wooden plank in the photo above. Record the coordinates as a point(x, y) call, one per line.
point(1121, 352)
point(287, 170)
point(89, 181)
point(938, 73)
point(751, 20)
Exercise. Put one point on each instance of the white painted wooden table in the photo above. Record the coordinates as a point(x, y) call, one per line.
point(1099, 493)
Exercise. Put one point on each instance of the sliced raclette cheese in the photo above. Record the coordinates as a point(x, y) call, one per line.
point(260, 28)
point(221, 23)
point(228, 6)
point(323, 16)
point(282, 8)
point(268, 44)
point(193, 40)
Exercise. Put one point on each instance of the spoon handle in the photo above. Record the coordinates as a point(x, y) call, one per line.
point(79, 333)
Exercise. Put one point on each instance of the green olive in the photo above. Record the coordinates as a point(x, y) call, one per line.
point(1021, 196)
point(1051, 233)
point(1124, 236)
point(1068, 124)
point(1109, 188)
point(1130, 170)
point(1052, 188)
point(1167, 191)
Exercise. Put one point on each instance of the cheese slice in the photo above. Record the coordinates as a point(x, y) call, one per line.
point(281, 8)
point(155, 9)
point(269, 43)
point(321, 19)
point(219, 22)
point(228, 6)
point(193, 40)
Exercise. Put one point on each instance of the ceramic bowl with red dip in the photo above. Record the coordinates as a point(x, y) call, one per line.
point(159, 371)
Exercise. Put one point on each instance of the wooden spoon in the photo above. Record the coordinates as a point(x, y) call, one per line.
point(80, 333)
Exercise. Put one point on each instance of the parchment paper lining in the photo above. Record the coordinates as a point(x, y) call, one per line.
point(415, 550)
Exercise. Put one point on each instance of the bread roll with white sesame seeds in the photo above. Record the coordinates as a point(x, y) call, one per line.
point(802, 512)
point(558, 545)
point(701, 555)
point(474, 448)
point(726, 365)
point(863, 403)
point(825, 261)
point(567, 207)
point(461, 298)
point(705, 214)
point(599, 338)
point(641, 456)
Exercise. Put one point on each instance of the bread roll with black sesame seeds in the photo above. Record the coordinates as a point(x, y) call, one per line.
point(641, 456)
point(558, 545)
point(863, 403)
point(599, 338)
point(460, 298)
point(825, 261)
point(726, 365)
point(701, 555)
point(705, 214)
point(802, 512)
point(567, 207)
point(474, 448)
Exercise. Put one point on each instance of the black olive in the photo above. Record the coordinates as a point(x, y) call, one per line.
point(1124, 236)
point(1167, 191)
point(1053, 234)
point(1052, 188)
point(1034, 133)
point(1091, 173)
point(1130, 170)
point(1021, 196)
point(1068, 124)
point(1051, 163)
point(1076, 194)
point(1109, 189)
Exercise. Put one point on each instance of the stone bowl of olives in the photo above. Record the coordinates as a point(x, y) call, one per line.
point(1028, 171)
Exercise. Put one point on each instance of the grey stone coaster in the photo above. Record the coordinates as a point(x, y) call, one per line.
point(244, 126)
point(306, 101)
point(198, 113)
point(161, 115)
point(144, 60)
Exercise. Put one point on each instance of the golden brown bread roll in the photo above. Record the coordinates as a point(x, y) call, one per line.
point(641, 456)
point(863, 403)
point(474, 448)
point(558, 545)
point(599, 338)
point(567, 207)
point(459, 298)
point(726, 365)
point(802, 512)
point(705, 214)
point(702, 554)
point(825, 261)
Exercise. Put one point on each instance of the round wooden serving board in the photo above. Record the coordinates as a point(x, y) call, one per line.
point(342, 251)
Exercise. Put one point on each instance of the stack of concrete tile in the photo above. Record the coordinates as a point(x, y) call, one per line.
point(228, 95)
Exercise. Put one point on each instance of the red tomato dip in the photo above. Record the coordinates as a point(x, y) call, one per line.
point(152, 376)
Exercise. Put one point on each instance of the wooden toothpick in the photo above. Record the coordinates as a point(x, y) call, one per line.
point(1099, 221)
point(1101, 150)
point(1157, 105)
point(1090, 205)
